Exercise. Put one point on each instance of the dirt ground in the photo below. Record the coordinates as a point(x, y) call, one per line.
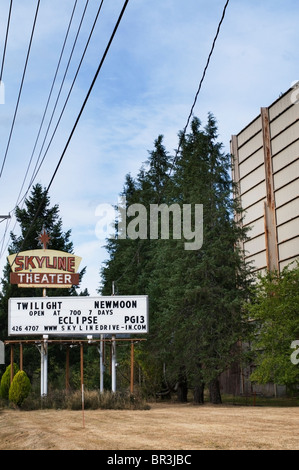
point(163, 427)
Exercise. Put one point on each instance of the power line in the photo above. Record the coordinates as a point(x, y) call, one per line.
point(48, 100)
point(78, 117)
point(21, 87)
point(49, 124)
point(43, 118)
point(90, 89)
point(200, 85)
point(187, 123)
point(69, 93)
point(6, 38)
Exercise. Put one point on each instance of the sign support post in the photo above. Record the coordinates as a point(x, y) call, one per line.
point(21, 356)
point(113, 364)
point(132, 369)
point(102, 369)
point(67, 370)
point(11, 363)
point(41, 371)
point(44, 362)
point(2, 353)
point(44, 366)
point(82, 381)
point(113, 354)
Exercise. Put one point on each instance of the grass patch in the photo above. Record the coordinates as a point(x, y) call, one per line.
point(93, 400)
point(258, 400)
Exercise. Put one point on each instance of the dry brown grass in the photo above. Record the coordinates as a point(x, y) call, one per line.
point(163, 427)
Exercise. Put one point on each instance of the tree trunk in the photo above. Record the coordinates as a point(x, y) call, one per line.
point(198, 395)
point(199, 385)
point(182, 388)
point(215, 396)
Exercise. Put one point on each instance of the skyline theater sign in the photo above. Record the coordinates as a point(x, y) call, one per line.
point(44, 268)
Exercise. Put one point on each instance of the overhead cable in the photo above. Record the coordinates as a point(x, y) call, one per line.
point(36, 169)
point(78, 118)
point(21, 87)
point(200, 84)
point(63, 80)
point(48, 100)
point(187, 123)
point(5, 43)
point(43, 118)
point(90, 90)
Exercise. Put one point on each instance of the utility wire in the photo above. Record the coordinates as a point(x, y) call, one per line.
point(6, 38)
point(49, 124)
point(48, 100)
point(43, 118)
point(89, 91)
point(199, 86)
point(187, 123)
point(21, 87)
point(69, 93)
point(77, 119)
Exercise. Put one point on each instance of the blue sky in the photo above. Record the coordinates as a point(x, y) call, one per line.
point(146, 87)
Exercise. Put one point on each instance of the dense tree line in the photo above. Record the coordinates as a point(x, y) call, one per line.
point(200, 296)
point(196, 296)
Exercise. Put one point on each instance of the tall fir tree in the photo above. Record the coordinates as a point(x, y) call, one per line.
point(200, 307)
point(195, 296)
point(131, 262)
point(130, 259)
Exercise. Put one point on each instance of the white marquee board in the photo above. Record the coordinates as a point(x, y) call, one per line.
point(82, 315)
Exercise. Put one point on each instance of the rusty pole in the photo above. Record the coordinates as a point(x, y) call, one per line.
point(11, 363)
point(21, 356)
point(113, 364)
point(67, 370)
point(132, 368)
point(82, 382)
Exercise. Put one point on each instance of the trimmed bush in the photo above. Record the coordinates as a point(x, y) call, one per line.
point(20, 388)
point(5, 381)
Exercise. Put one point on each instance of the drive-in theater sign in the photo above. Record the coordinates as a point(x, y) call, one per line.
point(78, 315)
point(72, 316)
point(44, 268)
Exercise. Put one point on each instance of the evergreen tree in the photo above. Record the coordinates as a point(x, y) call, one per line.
point(195, 296)
point(200, 312)
point(275, 311)
point(130, 260)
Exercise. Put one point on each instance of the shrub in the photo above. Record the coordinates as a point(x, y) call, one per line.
point(5, 381)
point(20, 388)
